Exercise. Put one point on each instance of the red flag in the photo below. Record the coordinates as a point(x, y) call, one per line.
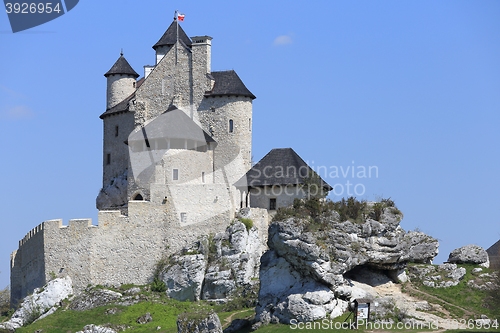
point(180, 16)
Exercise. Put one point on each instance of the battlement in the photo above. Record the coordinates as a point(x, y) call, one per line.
point(56, 224)
point(31, 233)
point(72, 224)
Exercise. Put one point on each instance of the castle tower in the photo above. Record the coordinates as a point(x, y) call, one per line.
point(118, 123)
point(168, 40)
point(121, 82)
point(227, 115)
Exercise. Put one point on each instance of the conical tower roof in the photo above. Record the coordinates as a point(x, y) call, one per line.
point(122, 66)
point(170, 37)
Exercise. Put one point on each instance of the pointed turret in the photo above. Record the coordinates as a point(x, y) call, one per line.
point(122, 67)
point(169, 39)
point(121, 81)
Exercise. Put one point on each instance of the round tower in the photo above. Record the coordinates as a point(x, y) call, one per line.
point(229, 122)
point(121, 82)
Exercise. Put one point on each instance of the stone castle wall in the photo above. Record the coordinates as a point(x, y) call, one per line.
point(121, 249)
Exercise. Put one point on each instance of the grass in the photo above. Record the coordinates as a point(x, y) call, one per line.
point(164, 315)
point(460, 295)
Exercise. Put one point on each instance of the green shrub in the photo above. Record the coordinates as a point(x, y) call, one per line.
point(350, 209)
point(247, 222)
point(378, 210)
point(158, 285)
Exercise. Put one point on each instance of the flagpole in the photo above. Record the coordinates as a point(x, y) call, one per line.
point(177, 32)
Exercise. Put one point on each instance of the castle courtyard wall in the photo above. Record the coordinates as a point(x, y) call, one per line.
point(121, 249)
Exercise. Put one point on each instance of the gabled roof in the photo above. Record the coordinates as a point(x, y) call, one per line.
point(170, 37)
point(228, 83)
point(281, 166)
point(122, 66)
point(172, 124)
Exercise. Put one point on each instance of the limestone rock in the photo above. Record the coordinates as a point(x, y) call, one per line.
point(144, 319)
point(199, 323)
point(470, 254)
point(113, 195)
point(229, 261)
point(184, 279)
point(96, 329)
point(40, 302)
point(306, 274)
point(421, 247)
point(441, 276)
point(94, 297)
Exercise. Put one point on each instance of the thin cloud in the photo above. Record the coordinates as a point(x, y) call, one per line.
point(11, 93)
point(283, 40)
point(19, 112)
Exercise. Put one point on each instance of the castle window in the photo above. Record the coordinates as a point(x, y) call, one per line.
point(108, 159)
point(138, 197)
point(133, 85)
point(250, 124)
point(116, 130)
point(231, 126)
point(272, 204)
point(175, 174)
point(202, 177)
point(183, 218)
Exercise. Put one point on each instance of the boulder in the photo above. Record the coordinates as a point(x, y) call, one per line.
point(94, 297)
point(470, 254)
point(145, 318)
point(199, 323)
point(184, 279)
point(96, 329)
point(421, 247)
point(40, 302)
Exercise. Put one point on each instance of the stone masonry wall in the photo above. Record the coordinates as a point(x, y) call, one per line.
point(284, 195)
point(121, 249)
point(233, 153)
point(27, 265)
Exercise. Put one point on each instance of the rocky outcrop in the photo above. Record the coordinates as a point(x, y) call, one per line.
point(199, 323)
point(470, 254)
point(42, 301)
point(94, 297)
point(440, 276)
point(114, 194)
point(421, 247)
point(96, 329)
point(184, 278)
point(214, 268)
point(305, 274)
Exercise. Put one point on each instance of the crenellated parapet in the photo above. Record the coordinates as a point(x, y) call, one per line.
point(32, 233)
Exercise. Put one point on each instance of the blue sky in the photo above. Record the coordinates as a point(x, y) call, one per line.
point(410, 87)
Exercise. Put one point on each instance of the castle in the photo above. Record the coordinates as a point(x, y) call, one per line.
point(176, 166)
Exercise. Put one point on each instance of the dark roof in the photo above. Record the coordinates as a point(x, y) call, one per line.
point(494, 255)
point(122, 66)
point(172, 124)
point(228, 83)
point(170, 37)
point(281, 166)
point(123, 106)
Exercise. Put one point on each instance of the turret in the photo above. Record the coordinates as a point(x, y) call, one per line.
point(121, 82)
point(169, 39)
